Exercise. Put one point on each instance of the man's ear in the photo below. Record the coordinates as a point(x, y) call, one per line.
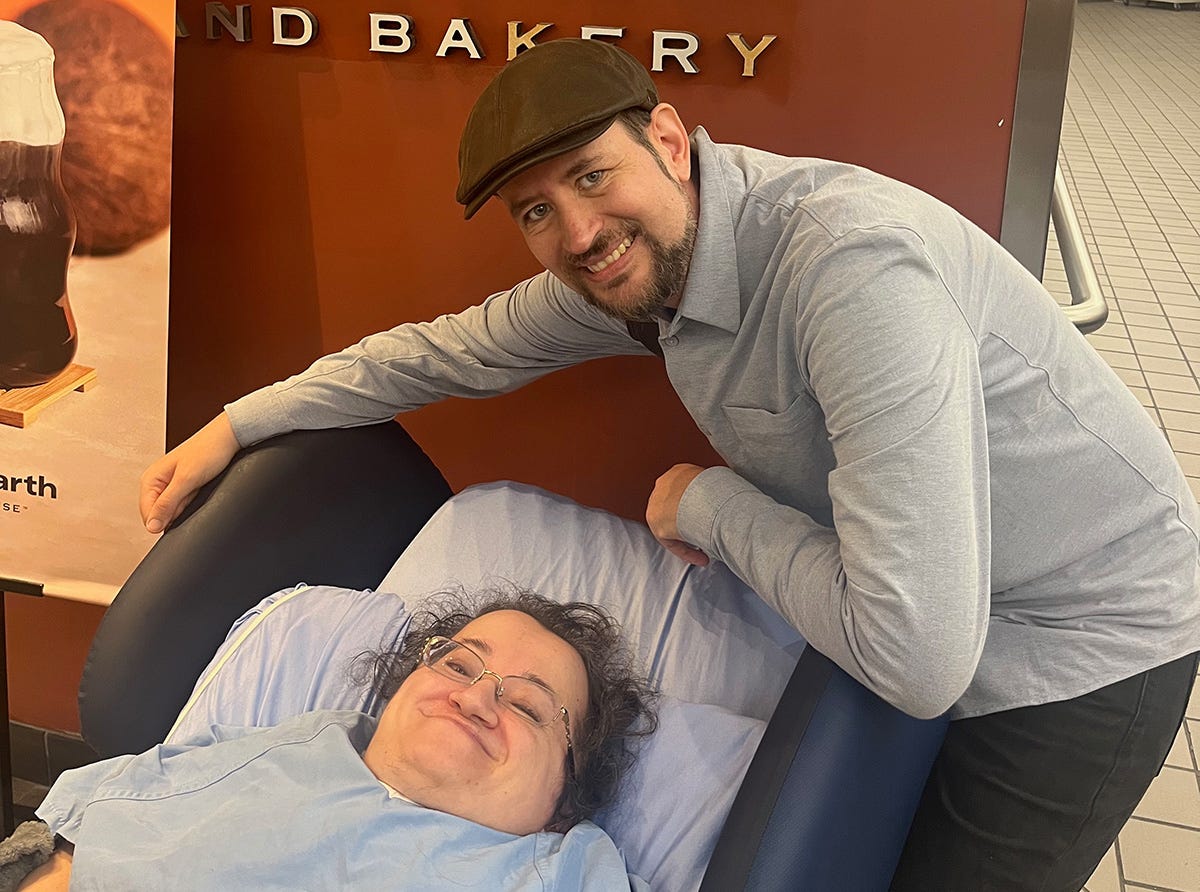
point(668, 133)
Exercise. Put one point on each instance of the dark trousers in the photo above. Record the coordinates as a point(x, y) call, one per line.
point(1030, 799)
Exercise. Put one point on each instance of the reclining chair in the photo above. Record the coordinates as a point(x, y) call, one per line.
point(825, 804)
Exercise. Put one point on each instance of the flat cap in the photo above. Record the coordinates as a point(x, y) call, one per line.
point(549, 100)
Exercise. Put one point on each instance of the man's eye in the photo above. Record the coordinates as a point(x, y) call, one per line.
point(592, 178)
point(537, 212)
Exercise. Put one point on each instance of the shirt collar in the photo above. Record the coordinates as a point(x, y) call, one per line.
point(393, 793)
point(711, 294)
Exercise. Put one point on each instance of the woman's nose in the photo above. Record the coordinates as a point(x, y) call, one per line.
point(478, 700)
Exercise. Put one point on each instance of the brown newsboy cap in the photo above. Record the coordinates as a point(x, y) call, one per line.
point(549, 100)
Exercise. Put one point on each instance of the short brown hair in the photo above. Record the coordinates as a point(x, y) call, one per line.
point(636, 122)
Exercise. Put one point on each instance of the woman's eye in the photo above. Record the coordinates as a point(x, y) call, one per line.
point(457, 668)
point(529, 711)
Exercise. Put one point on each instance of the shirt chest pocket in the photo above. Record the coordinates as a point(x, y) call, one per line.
point(785, 454)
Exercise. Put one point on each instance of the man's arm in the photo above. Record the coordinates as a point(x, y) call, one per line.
point(511, 339)
point(898, 593)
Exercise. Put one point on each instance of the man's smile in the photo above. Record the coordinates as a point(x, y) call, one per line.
point(611, 258)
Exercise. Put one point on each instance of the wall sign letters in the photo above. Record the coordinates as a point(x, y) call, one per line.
point(397, 34)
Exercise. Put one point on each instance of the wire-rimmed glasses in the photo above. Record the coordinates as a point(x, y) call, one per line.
point(531, 700)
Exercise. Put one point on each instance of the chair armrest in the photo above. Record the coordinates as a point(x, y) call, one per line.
point(333, 506)
point(831, 792)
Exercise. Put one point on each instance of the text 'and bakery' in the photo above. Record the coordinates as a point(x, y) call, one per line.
point(397, 34)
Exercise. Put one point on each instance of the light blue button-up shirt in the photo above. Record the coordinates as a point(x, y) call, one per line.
point(295, 807)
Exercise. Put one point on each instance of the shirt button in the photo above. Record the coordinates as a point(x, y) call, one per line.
point(671, 341)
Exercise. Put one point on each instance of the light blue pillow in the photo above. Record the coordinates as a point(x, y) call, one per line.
point(705, 637)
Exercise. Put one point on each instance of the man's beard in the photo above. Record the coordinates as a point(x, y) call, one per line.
point(668, 272)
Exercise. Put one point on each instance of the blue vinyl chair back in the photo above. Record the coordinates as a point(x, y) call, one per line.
point(829, 796)
point(825, 804)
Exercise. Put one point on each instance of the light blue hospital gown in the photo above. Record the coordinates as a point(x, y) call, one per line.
point(294, 807)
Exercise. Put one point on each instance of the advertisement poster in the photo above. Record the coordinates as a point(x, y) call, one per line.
point(85, 182)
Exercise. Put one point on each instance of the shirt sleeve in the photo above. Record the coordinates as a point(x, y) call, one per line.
point(67, 800)
point(511, 339)
point(897, 593)
point(69, 797)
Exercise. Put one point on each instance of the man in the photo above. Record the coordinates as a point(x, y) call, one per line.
point(930, 473)
point(505, 728)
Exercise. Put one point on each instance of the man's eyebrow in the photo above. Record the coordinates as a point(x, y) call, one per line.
point(580, 166)
point(520, 204)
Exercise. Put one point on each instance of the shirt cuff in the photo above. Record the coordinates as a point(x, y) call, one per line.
point(702, 501)
point(257, 416)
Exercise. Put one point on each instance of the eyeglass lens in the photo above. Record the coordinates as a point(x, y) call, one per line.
point(524, 696)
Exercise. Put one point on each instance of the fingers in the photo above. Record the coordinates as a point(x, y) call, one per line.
point(154, 481)
point(170, 484)
point(170, 504)
point(662, 510)
point(686, 552)
point(662, 507)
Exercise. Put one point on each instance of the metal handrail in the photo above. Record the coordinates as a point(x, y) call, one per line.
point(1088, 309)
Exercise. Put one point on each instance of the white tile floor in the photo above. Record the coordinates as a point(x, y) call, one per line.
point(1131, 156)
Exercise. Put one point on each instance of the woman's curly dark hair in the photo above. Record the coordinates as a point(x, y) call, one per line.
point(620, 707)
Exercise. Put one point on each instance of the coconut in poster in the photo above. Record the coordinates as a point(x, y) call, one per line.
point(85, 179)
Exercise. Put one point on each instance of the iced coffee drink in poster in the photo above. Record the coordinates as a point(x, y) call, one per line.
point(37, 227)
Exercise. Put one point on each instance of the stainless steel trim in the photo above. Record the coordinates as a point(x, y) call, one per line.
point(1035, 191)
point(1037, 122)
point(1088, 309)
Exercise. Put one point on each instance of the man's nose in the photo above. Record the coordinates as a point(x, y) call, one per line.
point(580, 225)
point(478, 700)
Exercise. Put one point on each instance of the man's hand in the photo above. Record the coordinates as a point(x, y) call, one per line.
point(663, 508)
point(171, 483)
